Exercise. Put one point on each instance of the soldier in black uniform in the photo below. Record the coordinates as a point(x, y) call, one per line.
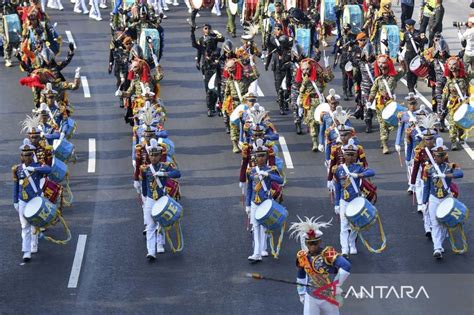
point(279, 47)
point(207, 61)
point(119, 61)
point(413, 42)
point(344, 51)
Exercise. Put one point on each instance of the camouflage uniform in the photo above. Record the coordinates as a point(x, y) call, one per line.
point(452, 101)
point(381, 95)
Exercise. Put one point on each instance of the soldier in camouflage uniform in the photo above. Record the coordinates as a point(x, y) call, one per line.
point(455, 92)
point(436, 76)
point(312, 79)
point(236, 85)
point(297, 54)
point(383, 92)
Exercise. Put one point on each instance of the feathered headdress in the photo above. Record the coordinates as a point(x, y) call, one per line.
point(154, 147)
point(31, 124)
point(147, 117)
point(350, 147)
point(439, 148)
point(308, 229)
point(250, 31)
point(341, 117)
point(333, 95)
point(258, 146)
point(429, 122)
point(27, 145)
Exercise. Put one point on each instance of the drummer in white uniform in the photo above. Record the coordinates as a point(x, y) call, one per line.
point(154, 178)
point(436, 189)
point(259, 183)
point(347, 182)
point(26, 186)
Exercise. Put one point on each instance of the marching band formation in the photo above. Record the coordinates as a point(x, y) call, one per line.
point(373, 53)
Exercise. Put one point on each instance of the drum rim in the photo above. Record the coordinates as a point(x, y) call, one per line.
point(260, 206)
point(446, 201)
point(30, 205)
point(157, 203)
point(462, 110)
point(353, 201)
point(385, 110)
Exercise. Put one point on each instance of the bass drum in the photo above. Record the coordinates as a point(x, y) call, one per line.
point(303, 37)
point(155, 39)
point(12, 29)
point(324, 107)
point(353, 15)
point(391, 33)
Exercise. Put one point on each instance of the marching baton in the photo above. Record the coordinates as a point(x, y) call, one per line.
point(400, 159)
point(258, 276)
point(331, 196)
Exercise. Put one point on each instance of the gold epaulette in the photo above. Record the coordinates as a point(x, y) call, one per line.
point(14, 169)
point(329, 254)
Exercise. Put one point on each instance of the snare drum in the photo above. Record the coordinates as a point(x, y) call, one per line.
point(324, 107)
point(452, 212)
point(166, 211)
point(464, 116)
point(237, 113)
point(360, 213)
point(418, 67)
point(63, 149)
point(40, 212)
point(271, 214)
point(58, 171)
point(390, 113)
point(51, 190)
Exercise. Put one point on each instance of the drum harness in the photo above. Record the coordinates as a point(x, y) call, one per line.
point(176, 225)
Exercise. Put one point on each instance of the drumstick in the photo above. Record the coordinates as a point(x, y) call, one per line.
point(400, 159)
point(331, 196)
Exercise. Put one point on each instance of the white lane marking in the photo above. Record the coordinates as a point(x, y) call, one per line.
point(70, 38)
point(77, 263)
point(423, 99)
point(468, 150)
point(85, 86)
point(286, 153)
point(91, 163)
point(466, 146)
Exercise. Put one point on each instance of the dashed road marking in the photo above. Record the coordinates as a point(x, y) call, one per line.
point(70, 38)
point(92, 155)
point(286, 153)
point(85, 86)
point(77, 263)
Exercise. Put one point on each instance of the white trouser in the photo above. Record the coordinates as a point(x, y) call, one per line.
point(56, 4)
point(103, 2)
point(217, 7)
point(152, 239)
point(80, 4)
point(313, 306)
point(163, 4)
point(94, 11)
point(187, 4)
point(347, 238)
point(438, 231)
point(259, 235)
point(419, 188)
point(43, 5)
point(143, 208)
point(29, 239)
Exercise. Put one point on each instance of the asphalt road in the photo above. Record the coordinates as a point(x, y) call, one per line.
point(208, 276)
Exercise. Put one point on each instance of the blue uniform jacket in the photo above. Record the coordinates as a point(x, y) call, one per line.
point(326, 123)
point(344, 188)
point(433, 185)
point(255, 191)
point(22, 188)
point(150, 187)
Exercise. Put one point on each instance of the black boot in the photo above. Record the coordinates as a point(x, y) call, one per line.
point(368, 126)
point(346, 98)
point(227, 123)
point(298, 127)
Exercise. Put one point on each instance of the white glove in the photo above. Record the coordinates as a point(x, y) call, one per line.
point(137, 186)
point(263, 173)
point(30, 168)
point(302, 298)
point(42, 134)
point(412, 187)
point(241, 185)
point(398, 148)
point(423, 207)
point(330, 185)
point(326, 62)
point(321, 148)
point(134, 164)
point(336, 209)
point(118, 93)
point(354, 175)
point(78, 73)
point(442, 175)
point(247, 210)
point(160, 173)
point(15, 205)
point(61, 137)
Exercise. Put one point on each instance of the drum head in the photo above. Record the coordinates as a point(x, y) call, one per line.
point(196, 4)
point(461, 112)
point(32, 207)
point(445, 207)
point(263, 209)
point(348, 66)
point(324, 107)
point(389, 110)
point(236, 113)
point(159, 205)
point(56, 144)
point(415, 63)
point(355, 206)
